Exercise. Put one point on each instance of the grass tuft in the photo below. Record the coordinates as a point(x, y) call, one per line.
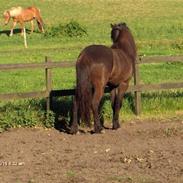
point(71, 29)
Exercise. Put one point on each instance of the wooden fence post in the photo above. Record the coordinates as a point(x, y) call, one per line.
point(48, 77)
point(137, 93)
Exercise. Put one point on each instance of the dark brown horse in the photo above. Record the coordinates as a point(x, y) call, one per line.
point(99, 66)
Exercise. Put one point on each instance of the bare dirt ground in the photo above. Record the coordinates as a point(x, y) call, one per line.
point(139, 152)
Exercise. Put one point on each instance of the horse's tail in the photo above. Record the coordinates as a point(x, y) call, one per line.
point(40, 24)
point(39, 19)
point(83, 91)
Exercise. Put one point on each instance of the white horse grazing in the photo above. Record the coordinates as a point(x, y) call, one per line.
point(20, 15)
point(12, 12)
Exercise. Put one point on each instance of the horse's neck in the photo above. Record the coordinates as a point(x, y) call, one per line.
point(15, 11)
point(127, 48)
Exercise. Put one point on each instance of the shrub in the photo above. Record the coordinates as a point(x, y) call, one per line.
point(27, 113)
point(72, 29)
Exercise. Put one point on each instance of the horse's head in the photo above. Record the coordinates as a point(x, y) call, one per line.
point(116, 30)
point(7, 17)
point(123, 39)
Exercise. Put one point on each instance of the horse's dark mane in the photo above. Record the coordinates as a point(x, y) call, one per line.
point(123, 39)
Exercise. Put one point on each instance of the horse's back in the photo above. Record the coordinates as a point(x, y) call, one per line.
point(96, 54)
point(29, 13)
point(97, 61)
point(33, 8)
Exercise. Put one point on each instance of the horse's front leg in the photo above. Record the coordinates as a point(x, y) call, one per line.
point(13, 26)
point(117, 97)
point(22, 28)
point(74, 125)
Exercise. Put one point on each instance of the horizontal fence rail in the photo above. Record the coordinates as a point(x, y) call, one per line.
point(159, 59)
point(48, 65)
point(14, 96)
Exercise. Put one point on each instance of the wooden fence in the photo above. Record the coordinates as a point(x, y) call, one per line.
point(137, 88)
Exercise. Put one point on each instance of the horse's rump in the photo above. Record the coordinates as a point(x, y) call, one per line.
point(36, 13)
point(33, 9)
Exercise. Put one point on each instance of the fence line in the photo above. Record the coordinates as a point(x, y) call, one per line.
point(48, 65)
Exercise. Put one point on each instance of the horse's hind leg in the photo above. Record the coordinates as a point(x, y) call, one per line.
point(116, 105)
point(117, 97)
point(75, 118)
point(98, 93)
point(40, 23)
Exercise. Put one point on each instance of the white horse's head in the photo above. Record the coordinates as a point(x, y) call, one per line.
point(7, 17)
point(12, 12)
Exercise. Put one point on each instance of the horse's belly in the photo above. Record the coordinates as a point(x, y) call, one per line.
point(27, 19)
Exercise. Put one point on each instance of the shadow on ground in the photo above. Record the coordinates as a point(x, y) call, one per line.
point(62, 108)
point(15, 31)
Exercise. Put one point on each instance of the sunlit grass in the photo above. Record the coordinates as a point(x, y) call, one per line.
point(156, 25)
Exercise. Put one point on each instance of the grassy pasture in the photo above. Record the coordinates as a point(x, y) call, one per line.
point(156, 25)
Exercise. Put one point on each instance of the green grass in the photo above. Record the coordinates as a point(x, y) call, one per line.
point(156, 25)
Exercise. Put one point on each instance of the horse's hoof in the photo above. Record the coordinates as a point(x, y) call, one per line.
point(116, 126)
point(100, 130)
point(73, 131)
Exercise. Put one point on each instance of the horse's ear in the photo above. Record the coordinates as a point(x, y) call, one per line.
point(112, 25)
point(6, 13)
